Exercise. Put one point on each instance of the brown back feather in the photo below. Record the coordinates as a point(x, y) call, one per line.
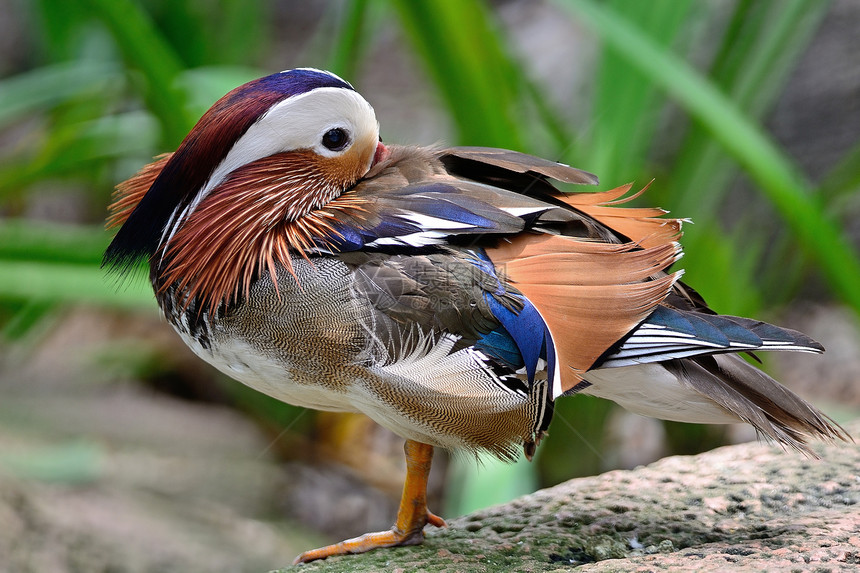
point(521, 163)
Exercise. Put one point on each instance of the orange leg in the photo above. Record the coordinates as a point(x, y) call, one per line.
point(412, 516)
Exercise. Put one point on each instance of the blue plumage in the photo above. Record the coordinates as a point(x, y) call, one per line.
point(294, 82)
point(526, 328)
point(346, 237)
point(452, 212)
point(499, 345)
point(673, 333)
point(435, 209)
point(522, 324)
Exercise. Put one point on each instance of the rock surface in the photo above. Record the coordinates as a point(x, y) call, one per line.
point(748, 507)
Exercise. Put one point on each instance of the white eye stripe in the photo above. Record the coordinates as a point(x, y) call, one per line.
point(298, 122)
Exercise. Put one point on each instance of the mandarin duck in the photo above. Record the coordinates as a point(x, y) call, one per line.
point(450, 294)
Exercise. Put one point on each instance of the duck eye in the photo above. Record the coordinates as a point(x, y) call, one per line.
point(335, 139)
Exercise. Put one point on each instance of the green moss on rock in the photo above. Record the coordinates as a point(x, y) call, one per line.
point(748, 505)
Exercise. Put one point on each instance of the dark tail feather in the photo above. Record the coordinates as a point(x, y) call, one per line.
point(670, 333)
point(756, 398)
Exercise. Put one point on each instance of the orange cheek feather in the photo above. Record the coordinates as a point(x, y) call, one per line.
point(351, 166)
point(264, 213)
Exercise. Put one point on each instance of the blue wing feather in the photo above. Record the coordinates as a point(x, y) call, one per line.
point(498, 344)
point(437, 210)
point(522, 325)
point(527, 330)
point(672, 333)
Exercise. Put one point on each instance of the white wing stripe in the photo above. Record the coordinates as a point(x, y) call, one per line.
point(420, 239)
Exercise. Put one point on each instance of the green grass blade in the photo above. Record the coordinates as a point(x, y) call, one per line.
point(625, 110)
point(476, 484)
point(58, 24)
point(565, 146)
point(145, 49)
point(752, 65)
point(720, 256)
point(243, 32)
point(777, 177)
point(840, 189)
point(760, 46)
point(844, 179)
point(350, 41)
point(29, 240)
point(48, 86)
point(70, 151)
point(462, 51)
point(24, 319)
point(71, 283)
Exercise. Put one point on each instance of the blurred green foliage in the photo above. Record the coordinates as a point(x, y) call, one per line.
point(111, 83)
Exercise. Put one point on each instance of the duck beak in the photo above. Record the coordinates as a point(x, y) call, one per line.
point(381, 154)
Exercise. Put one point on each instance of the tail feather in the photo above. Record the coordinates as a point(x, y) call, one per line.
point(672, 333)
point(756, 398)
